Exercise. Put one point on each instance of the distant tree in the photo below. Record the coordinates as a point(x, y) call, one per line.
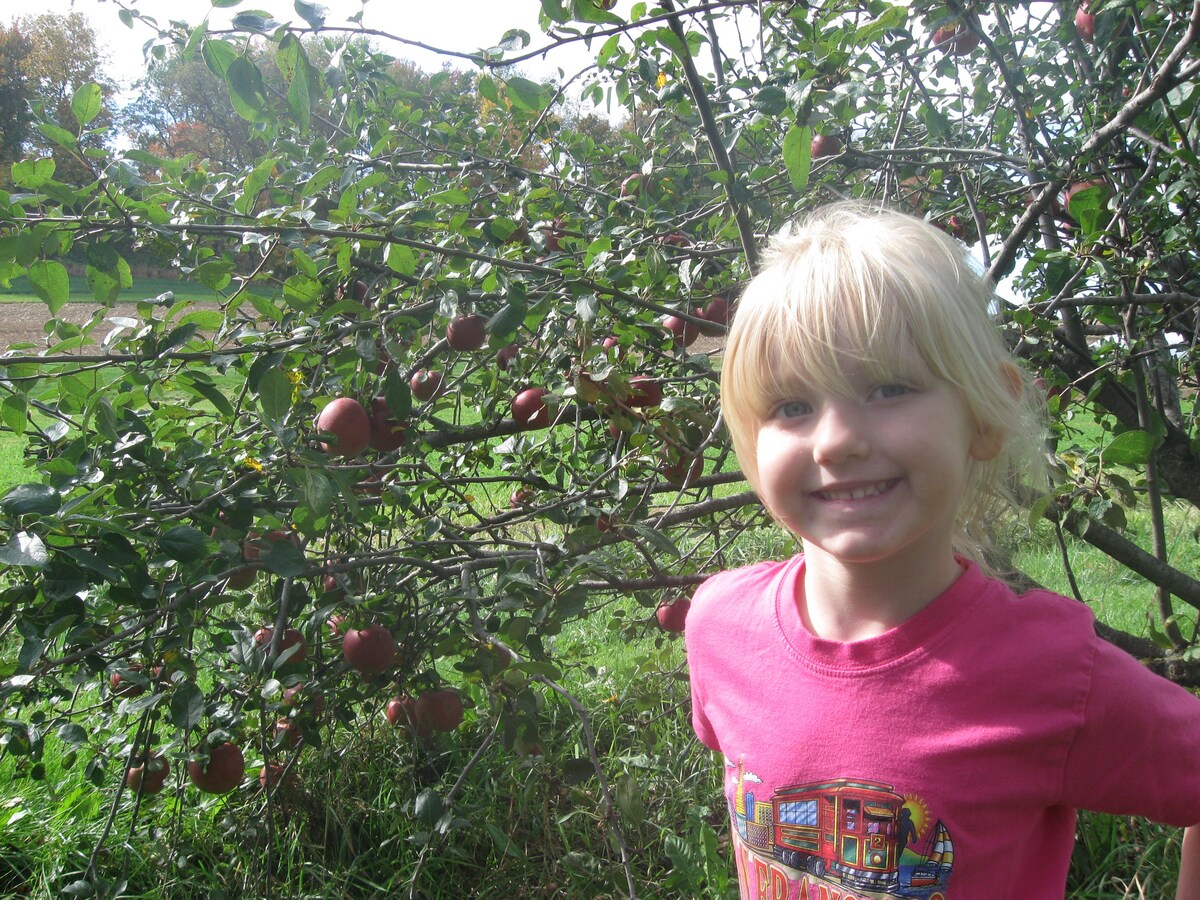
point(63, 57)
point(14, 94)
point(184, 107)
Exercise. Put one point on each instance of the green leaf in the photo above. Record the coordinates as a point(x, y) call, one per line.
point(321, 178)
point(185, 543)
point(72, 733)
point(246, 90)
point(428, 807)
point(14, 412)
point(629, 798)
point(400, 259)
point(506, 322)
point(316, 489)
point(1089, 207)
point(218, 56)
point(658, 539)
point(275, 394)
point(187, 706)
point(51, 282)
point(797, 155)
point(1130, 448)
point(24, 549)
point(285, 559)
point(31, 499)
point(311, 13)
point(527, 95)
point(87, 102)
point(213, 395)
point(58, 135)
point(771, 100)
point(33, 173)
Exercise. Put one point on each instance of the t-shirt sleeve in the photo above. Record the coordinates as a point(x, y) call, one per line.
point(1137, 751)
point(700, 621)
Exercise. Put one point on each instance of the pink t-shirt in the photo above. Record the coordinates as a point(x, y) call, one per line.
point(943, 759)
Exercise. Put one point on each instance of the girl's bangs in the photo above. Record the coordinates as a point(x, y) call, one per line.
point(817, 343)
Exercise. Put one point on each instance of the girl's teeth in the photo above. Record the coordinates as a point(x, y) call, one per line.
point(857, 493)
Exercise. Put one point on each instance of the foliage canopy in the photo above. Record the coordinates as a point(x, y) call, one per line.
point(346, 208)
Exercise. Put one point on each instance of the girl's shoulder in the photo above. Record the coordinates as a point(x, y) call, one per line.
point(754, 578)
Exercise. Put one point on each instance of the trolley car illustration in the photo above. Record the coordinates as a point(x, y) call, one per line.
point(856, 832)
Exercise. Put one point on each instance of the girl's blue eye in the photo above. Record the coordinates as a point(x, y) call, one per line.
point(792, 408)
point(892, 390)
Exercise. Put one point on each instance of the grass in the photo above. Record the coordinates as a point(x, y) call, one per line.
point(19, 291)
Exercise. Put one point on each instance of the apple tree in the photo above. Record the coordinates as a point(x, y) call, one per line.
point(457, 387)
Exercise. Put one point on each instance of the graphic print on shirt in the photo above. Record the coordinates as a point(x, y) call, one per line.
point(846, 838)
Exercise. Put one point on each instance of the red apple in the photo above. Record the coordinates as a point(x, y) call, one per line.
point(955, 40)
point(253, 547)
point(1078, 187)
point(349, 423)
point(291, 637)
point(506, 356)
point(277, 775)
point(825, 145)
point(520, 497)
point(242, 577)
point(644, 391)
point(387, 432)
point(554, 235)
point(302, 696)
point(425, 384)
point(610, 342)
point(681, 471)
point(401, 712)
point(716, 313)
point(677, 239)
point(335, 623)
point(530, 410)
point(1085, 23)
point(122, 686)
point(148, 774)
point(288, 733)
point(222, 773)
point(359, 290)
point(684, 331)
point(370, 650)
point(466, 333)
point(439, 710)
point(671, 616)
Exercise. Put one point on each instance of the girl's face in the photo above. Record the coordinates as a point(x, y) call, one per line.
point(873, 476)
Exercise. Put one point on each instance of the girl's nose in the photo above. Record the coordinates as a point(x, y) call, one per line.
point(840, 434)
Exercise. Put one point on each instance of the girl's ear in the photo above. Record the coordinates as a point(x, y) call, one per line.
point(987, 442)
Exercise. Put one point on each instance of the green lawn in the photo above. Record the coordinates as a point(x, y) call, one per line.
point(19, 291)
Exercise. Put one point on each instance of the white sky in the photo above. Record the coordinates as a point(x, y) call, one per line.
point(459, 25)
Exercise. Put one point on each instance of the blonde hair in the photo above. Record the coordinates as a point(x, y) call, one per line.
point(868, 286)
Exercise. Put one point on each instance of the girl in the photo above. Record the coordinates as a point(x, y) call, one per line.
point(894, 721)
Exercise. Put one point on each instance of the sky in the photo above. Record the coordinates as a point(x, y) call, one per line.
point(457, 25)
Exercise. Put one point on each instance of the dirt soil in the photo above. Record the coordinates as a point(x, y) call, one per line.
point(26, 321)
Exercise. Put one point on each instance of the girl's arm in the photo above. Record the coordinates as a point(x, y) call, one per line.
point(1189, 866)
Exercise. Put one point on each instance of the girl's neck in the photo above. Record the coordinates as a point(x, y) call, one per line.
point(847, 602)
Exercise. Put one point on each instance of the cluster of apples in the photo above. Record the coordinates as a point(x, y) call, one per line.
point(440, 709)
point(714, 318)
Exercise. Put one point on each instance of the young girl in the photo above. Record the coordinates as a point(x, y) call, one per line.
point(894, 721)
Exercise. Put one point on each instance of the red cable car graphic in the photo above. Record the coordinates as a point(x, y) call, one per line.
point(843, 828)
